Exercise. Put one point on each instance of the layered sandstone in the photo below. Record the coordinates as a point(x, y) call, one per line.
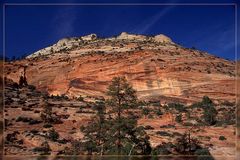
point(158, 68)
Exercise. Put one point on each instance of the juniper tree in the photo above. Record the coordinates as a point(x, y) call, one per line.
point(23, 79)
point(46, 113)
point(125, 137)
point(209, 111)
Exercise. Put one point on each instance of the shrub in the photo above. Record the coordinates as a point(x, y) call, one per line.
point(186, 144)
point(179, 107)
point(53, 135)
point(145, 111)
point(63, 141)
point(47, 125)
point(162, 149)
point(176, 134)
point(36, 111)
point(187, 124)
point(222, 138)
point(150, 116)
point(206, 101)
point(159, 112)
point(202, 151)
point(23, 119)
point(227, 103)
point(34, 131)
point(163, 133)
point(148, 127)
point(80, 98)
point(31, 87)
point(44, 148)
point(18, 119)
point(34, 121)
point(167, 126)
point(156, 103)
point(209, 113)
point(178, 118)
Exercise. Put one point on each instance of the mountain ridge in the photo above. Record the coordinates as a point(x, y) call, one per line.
point(71, 42)
point(158, 69)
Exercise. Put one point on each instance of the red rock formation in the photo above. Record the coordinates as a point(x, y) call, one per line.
point(157, 69)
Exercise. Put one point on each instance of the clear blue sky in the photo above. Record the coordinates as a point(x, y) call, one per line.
point(207, 28)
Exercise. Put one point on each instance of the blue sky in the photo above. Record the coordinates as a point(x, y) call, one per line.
point(208, 28)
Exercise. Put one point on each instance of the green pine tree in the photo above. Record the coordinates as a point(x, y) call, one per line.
point(95, 131)
point(209, 111)
point(125, 137)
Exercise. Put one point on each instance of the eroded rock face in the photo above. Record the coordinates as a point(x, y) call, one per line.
point(162, 38)
point(127, 36)
point(156, 67)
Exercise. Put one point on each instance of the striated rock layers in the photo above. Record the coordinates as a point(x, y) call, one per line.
point(158, 68)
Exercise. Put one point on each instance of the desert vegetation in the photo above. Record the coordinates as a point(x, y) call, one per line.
point(115, 125)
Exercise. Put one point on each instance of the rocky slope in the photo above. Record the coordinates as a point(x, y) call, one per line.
point(25, 129)
point(158, 68)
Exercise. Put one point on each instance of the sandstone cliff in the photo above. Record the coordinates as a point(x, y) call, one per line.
point(158, 68)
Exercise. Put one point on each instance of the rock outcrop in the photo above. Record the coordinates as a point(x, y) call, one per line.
point(157, 68)
point(162, 38)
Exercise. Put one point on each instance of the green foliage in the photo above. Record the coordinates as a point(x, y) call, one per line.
point(122, 94)
point(156, 104)
point(222, 138)
point(47, 125)
point(186, 145)
point(227, 103)
point(162, 149)
point(31, 87)
point(129, 138)
point(158, 112)
point(80, 98)
point(206, 101)
point(167, 126)
point(178, 118)
point(148, 127)
point(203, 154)
point(46, 114)
point(150, 116)
point(187, 124)
point(209, 115)
point(145, 111)
point(75, 148)
point(95, 133)
point(209, 111)
point(53, 135)
point(34, 121)
point(116, 132)
point(44, 148)
point(163, 133)
point(179, 107)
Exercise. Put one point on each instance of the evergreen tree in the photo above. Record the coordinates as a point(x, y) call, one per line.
point(209, 115)
point(46, 113)
point(23, 79)
point(186, 144)
point(206, 101)
point(125, 137)
point(209, 111)
point(95, 131)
